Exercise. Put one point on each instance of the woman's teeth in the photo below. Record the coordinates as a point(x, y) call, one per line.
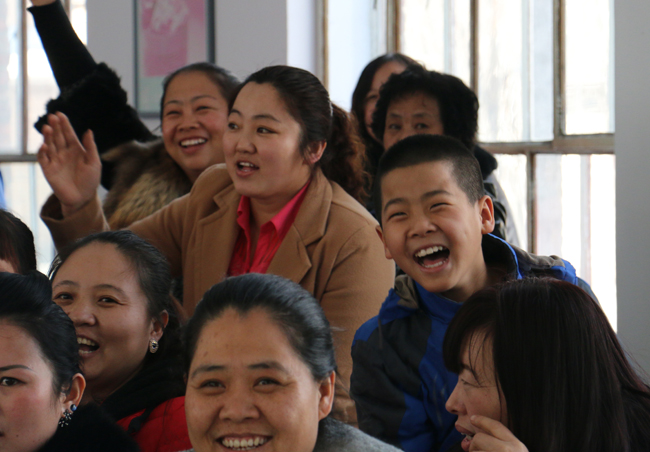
point(246, 165)
point(86, 345)
point(243, 443)
point(193, 142)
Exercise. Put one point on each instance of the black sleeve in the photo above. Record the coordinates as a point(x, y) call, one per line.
point(69, 59)
point(91, 94)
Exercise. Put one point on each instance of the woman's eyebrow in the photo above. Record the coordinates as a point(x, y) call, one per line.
point(15, 366)
point(269, 365)
point(208, 368)
point(66, 282)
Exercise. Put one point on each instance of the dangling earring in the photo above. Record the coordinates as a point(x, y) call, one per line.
point(67, 416)
point(153, 345)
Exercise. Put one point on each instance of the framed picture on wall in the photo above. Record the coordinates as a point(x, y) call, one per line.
point(169, 34)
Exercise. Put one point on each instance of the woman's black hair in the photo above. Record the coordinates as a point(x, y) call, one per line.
point(309, 104)
point(566, 380)
point(293, 308)
point(221, 77)
point(26, 302)
point(457, 102)
point(16, 243)
point(153, 274)
point(363, 88)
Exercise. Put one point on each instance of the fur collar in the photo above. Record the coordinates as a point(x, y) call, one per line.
point(145, 179)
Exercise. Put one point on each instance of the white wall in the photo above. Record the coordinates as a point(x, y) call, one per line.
point(633, 176)
point(250, 34)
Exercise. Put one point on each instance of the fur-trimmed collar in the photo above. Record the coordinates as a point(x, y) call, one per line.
point(145, 180)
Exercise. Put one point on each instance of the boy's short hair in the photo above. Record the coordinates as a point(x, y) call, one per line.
point(418, 149)
point(457, 102)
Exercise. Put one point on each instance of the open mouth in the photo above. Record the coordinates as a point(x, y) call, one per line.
point(466, 441)
point(86, 346)
point(246, 166)
point(245, 443)
point(432, 257)
point(192, 142)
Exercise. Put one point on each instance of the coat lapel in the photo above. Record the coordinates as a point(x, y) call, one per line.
point(292, 259)
point(216, 237)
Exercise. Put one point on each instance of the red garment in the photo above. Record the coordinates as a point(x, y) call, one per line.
point(271, 235)
point(165, 430)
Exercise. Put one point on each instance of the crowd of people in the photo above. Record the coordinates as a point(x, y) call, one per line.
point(275, 273)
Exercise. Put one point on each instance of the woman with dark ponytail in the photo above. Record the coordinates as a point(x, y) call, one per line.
point(282, 205)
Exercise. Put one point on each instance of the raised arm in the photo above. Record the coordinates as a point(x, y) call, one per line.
point(91, 94)
point(71, 168)
point(69, 59)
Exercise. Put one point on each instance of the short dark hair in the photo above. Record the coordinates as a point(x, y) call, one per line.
point(457, 102)
point(221, 77)
point(565, 378)
point(153, 275)
point(365, 83)
point(16, 243)
point(418, 149)
point(26, 302)
point(293, 308)
point(308, 102)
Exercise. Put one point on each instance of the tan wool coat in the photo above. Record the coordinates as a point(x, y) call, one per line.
point(332, 250)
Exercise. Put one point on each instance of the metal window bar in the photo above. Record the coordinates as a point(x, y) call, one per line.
point(561, 143)
point(24, 155)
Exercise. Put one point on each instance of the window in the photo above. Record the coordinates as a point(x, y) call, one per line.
point(543, 73)
point(26, 84)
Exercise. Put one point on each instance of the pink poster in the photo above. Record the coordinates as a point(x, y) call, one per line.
point(171, 34)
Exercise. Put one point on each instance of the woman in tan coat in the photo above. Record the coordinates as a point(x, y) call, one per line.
point(279, 205)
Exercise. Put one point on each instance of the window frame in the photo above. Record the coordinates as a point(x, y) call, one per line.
point(24, 156)
point(561, 144)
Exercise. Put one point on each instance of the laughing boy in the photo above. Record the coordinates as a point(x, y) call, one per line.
point(435, 222)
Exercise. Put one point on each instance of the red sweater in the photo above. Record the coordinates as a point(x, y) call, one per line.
point(165, 430)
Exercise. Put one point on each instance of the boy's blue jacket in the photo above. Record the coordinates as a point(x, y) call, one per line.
point(399, 381)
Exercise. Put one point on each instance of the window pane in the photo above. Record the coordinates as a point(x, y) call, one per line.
point(356, 35)
point(589, 76)
point(42, 86)
point(570, 188)
point(515, 70)
point(437, 33)
point(10, 77)
point(26, 191)
point(511, 175)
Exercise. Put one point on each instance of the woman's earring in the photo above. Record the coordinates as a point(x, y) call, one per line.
point(67, 416)
point(153, 345)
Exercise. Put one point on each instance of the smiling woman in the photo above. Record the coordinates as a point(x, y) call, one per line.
point(142, 172)
point(269, 391)
point(541, 369)
point(127, 329)
point(284, 204)
point(40, 380)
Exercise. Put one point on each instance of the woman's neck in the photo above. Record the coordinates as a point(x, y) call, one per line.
point(97, 391)
point(264, 209)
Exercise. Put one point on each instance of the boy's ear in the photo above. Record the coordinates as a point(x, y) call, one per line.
point(486, 209)
point(380, 233)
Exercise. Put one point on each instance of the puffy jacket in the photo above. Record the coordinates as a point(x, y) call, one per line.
point(399, 381)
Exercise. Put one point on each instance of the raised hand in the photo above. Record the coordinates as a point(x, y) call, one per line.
point(72, 169)
point(493, 436)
